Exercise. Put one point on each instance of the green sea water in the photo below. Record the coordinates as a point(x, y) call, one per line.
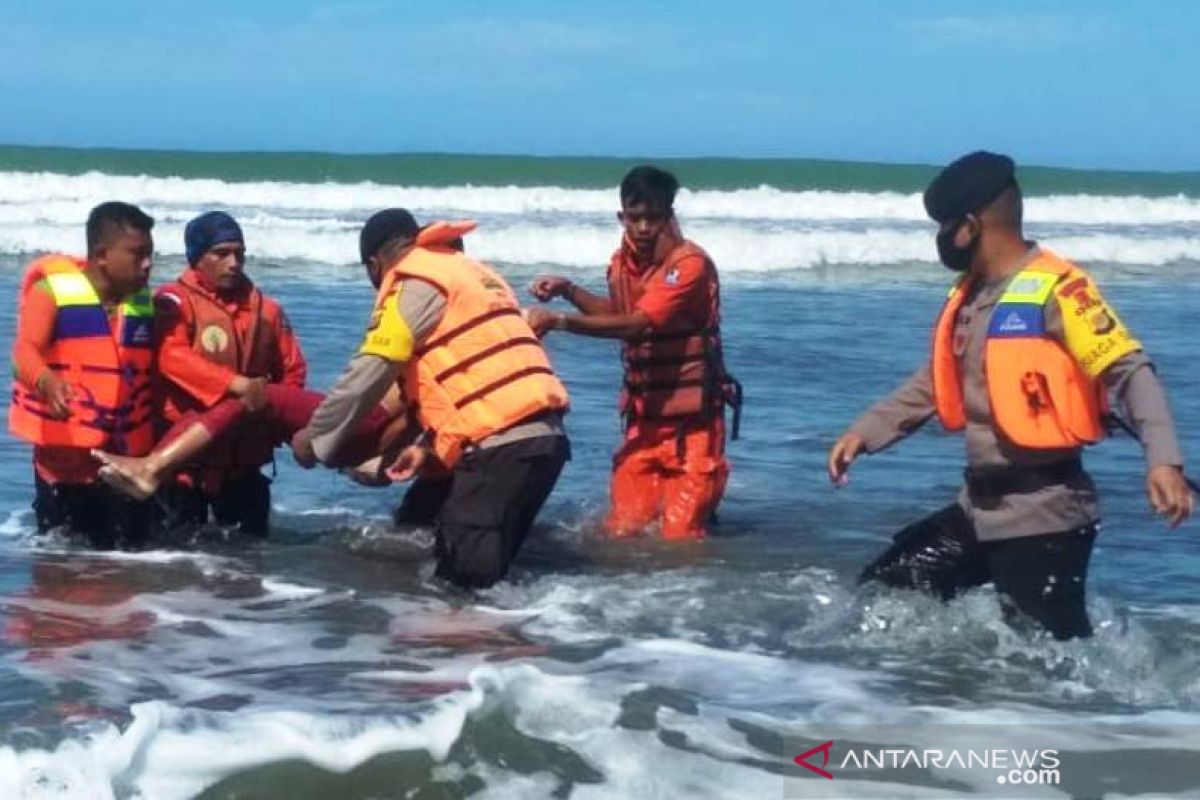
point(437, 169)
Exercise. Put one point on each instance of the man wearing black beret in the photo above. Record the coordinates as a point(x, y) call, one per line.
point(1025, 353)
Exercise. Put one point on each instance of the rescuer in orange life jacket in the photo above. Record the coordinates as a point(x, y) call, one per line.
point(449, 330)
point(664, 303)
point(82, 360)
point(1025, 352)
point(219, 336)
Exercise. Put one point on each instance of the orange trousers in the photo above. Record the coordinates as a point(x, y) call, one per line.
point(651, 481)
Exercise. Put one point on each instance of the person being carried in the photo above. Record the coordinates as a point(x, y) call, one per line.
point(219, 336)
point(1025, 352)
point(82, 362)
point(369, 447)
point(664, 303)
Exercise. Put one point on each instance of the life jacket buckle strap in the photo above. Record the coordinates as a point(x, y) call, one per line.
point(733, 397)
point(1037, 394)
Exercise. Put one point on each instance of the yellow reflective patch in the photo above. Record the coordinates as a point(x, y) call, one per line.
point(388, 335)
point(1095, 335)
point(1030, 286)
point(71, 289)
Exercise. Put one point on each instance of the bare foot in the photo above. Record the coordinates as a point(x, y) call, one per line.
point(127, 474)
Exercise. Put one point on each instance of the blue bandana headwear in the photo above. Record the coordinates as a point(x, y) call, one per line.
point(209, 230)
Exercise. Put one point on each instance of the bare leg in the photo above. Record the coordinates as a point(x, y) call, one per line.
point(288, 410)
point(139, 477)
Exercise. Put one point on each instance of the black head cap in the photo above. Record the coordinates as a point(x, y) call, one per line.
point(383, 227)
point(968, 184)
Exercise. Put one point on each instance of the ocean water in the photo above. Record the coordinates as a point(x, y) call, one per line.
point(327, 663)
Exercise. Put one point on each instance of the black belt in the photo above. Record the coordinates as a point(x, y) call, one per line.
point(1020, 479)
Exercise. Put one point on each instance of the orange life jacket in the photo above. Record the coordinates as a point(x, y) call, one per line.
point(481, 370)
point(1040, 396)
point(676, 372)
point(112, 407)
point(253, 352)
point(215, 335)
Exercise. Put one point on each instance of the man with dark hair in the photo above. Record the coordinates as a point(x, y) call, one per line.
point(219, 337)
point(1025, 352)
point(82, 362)
point(449, 330)
point(110, 219)
point(664, 303)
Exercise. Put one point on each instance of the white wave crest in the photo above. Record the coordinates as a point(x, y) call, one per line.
point(735, 248)
point(73, 195)
point(747, 230)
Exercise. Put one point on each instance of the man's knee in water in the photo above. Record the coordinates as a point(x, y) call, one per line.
point(474, 559)
point(1042, 582)
point(937, 554)
point(1064, 619)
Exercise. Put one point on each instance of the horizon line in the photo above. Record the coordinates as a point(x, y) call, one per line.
point(561, 157)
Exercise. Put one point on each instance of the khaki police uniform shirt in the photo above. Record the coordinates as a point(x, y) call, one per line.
point(1056, 506)
point(408, 319)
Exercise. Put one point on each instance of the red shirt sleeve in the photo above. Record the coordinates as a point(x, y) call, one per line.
point(35, 334)
point(178, 362)
point(677, 294)
point(295, 367)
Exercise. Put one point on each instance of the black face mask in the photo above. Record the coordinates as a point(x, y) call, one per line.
point(955, 258)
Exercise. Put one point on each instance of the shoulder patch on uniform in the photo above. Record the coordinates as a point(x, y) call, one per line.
point(388, 335)
point(1078, 292)
point(1094, 334)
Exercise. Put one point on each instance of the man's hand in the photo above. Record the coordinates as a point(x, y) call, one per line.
point(409, 463)
point(55, 393)
point(547, 287)
point(369, 473)
point(842, 455)
point(1169, 494)
point(251, 391)
point(302, 449)
point(541, 320)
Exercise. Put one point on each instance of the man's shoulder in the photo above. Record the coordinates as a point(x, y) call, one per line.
point(688, 263)
point(690, 255)
point(43, 285)
point(417, 289)
point(38, 301)
point(1073, 285)
point(269, 304)
point(1047, 261)
point(692, 247)
point(171, 299)
point(274, 312)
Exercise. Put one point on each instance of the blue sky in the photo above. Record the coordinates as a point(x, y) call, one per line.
point(1073, 83)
